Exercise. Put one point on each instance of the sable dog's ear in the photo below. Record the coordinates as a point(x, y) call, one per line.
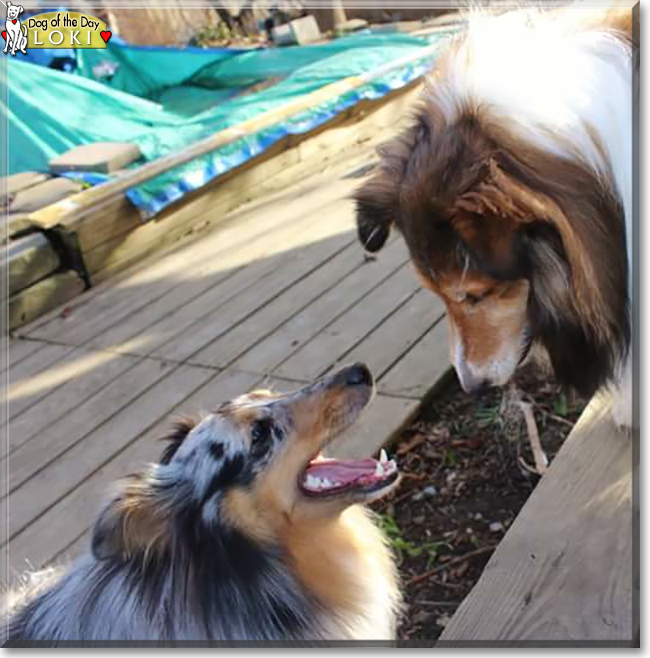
point(376, 203)
point(378, 200)
point(135, 520)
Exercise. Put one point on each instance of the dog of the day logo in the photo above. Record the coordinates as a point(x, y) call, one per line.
point(58, 29)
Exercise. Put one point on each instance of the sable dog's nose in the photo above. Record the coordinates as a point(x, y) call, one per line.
point(358, 375)
point(481, 389)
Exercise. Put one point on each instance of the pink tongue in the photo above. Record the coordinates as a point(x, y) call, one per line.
point(342, 471)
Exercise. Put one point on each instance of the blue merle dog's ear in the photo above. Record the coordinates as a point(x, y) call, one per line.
point(180, 428)
point(134, 520)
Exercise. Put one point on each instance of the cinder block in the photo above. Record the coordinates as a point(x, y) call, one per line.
point(299, 31)
point(102, 157)
point(305, 30)
point(43, 194)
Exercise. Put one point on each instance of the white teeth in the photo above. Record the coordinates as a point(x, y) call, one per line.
point(383, 457)
point(312, 482)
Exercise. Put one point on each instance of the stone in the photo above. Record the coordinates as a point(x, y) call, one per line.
point(430, 491)
point(102, 157)
point(300, 31)
point(496, 526)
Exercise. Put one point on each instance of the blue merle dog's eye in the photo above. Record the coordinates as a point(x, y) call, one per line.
point(261, 430)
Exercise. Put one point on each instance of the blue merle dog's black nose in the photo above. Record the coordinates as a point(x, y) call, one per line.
point(358, 375)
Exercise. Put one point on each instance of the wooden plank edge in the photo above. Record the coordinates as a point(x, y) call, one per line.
point(593, 419)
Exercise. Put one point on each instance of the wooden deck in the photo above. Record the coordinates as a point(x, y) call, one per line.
point(278, 295)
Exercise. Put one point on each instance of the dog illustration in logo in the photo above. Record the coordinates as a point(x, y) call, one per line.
point(14, 34)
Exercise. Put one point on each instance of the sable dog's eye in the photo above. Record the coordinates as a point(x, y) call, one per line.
point(261, 430)
point(474, 299)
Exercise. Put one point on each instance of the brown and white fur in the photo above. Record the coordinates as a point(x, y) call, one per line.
point(513, 191)
point(225, 539)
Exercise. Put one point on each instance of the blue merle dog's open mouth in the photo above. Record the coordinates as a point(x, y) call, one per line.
point(329, 477)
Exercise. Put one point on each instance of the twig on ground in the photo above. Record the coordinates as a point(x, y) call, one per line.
point(525, 466)
point(399, 499)
point(452, 563)
point(411, 443)
point(559, 419)
point(541, 460)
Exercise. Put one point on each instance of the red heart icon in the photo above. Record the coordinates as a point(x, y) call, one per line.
point(106, 35)
point(14, 21)
point(4, 35)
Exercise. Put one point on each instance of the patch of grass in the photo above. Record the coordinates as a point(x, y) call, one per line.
point(209, 34)
point(449, 458)
point(561, 404)
point(405, 548)
point(486, 416)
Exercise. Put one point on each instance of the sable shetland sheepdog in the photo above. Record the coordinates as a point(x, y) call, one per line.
point(241, 532)
point(513, 191)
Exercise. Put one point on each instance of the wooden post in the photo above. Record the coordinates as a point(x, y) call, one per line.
point(338, 13)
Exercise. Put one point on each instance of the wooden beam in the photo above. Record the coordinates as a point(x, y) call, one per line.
point(564, 571)
point(80, 205)
point(113, 236)
point(27, 260)
point(43, 297)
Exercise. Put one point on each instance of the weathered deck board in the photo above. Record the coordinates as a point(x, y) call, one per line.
point(79, 379)
point(396, 334)
point(198, 325)
point(61, 476)
point(299, 273)
point(219, 251)
point(35, 361)
point(298, 315)
point(564, 569)
point(19, 350)
point(314, 358)
point(47, 537)
point(58, 437)
point(213, 284)
point(23, 392)
point(424, 364)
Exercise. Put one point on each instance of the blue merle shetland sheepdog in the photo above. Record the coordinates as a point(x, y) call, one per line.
point(242, 531)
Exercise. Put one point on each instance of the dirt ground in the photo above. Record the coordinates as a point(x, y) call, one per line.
point(467, 469)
